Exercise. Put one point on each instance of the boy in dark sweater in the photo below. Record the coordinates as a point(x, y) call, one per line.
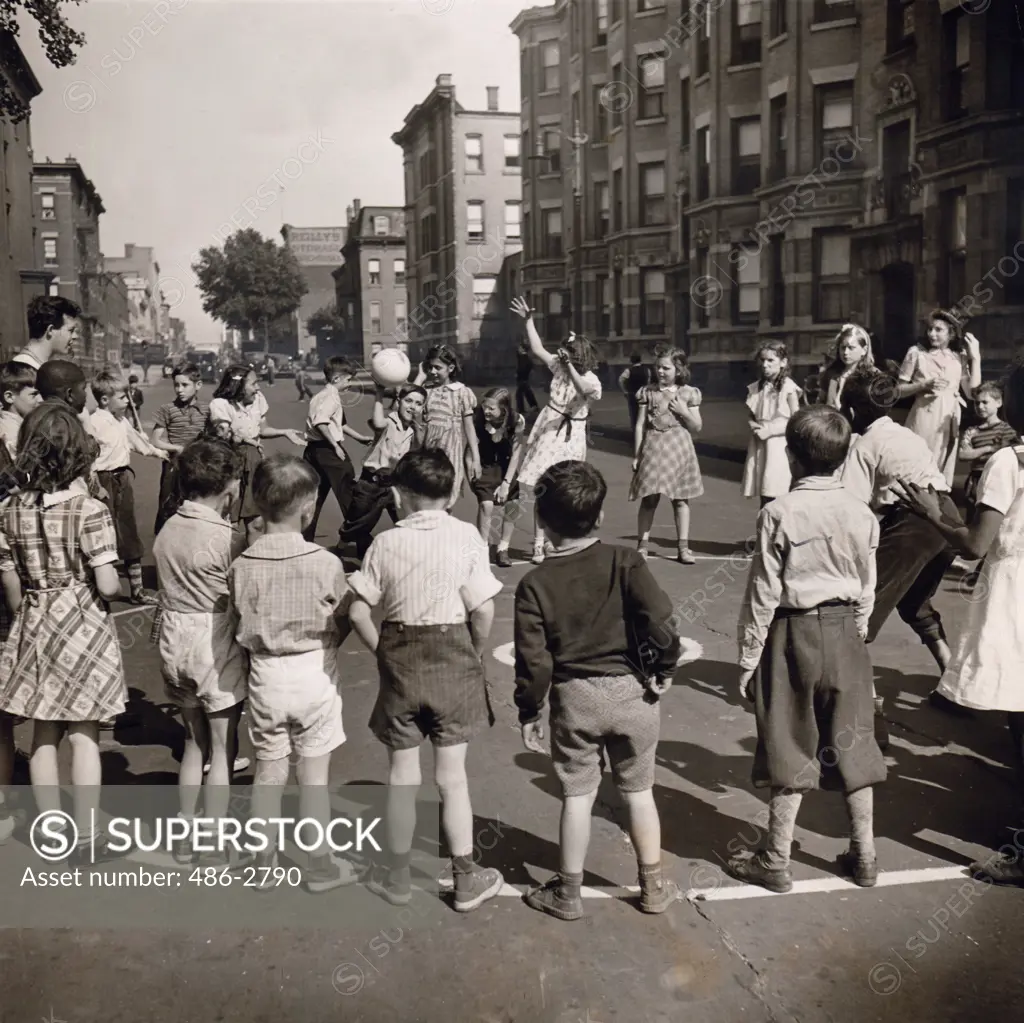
point(594, 628)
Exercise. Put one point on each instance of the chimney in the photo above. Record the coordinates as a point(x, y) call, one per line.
point(348, 214)
point(492, 97)
point(443, 81)
point(356, 207)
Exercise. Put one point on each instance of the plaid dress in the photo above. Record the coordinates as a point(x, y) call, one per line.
point(668, 460)
point(61, 661)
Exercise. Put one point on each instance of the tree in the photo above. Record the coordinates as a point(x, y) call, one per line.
point(327, 320)
point(250, 282)
point(60, 41)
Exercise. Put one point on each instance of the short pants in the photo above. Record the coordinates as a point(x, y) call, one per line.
point(203, 666)
point(294, 705)
point(488, 481)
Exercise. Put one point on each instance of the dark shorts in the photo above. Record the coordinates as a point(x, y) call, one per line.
point(251, 458)
point(432, 686)
point(814, 707)
point(121, 505)
point(591, 717)
point(488, 481)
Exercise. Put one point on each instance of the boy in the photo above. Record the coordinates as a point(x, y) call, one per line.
point(398, 432)
point(288, 595)
point(431, 577)
point(117, 440)
point(54, 329)
point(175, 426)
point(325, 434)
point(135, 402)
point(205, 671)
point(632, 379)
point(302, 382)
point(912, 557)
point(585, 627)
point(18, 396)
point(803, 659)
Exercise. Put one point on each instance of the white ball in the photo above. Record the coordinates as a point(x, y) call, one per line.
point(390, 367)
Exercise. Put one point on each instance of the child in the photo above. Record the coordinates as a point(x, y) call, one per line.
point(449, 414)
point(429, 654)
point(288, 595)
point(205, 671)
point(238, 413)
point(18, 396)
point(852, 348)
point(118, 439)
point(585, 624)
point(61, 664)
point(632, 380)
point(175, 426)
point(135, 401)
point(398, 432)
point(665, 460)
point(302, 382)
point(500, 432)
point(771, 401)
point(936, 373)
point(326, 430)
point(803, 659)
point(560, 432)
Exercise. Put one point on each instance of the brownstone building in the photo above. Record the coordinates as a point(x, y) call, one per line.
point(769, 169)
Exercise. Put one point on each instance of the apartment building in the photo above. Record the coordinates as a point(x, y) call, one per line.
point(318, 251)
point(711, 174)
point(463, 195)
point(141, 273)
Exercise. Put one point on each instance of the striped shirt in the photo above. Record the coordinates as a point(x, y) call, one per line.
point(999, 435)
point(182, 423)
point(432, 569)
point(325, 409)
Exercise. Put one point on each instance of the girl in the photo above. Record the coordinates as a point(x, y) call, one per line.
point(560, 432)
point(449, 414)
point(984, 673)
point(500, 432)
point(770, 401)
point(852, 351)
point(61, 664)
point(666, 462)
point(238, 413)
point(935, 374)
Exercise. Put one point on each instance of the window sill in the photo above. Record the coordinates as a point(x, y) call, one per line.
point(733, 69)
point(600, 142)
point(656, 12)
point(616, 130)
point(548, 93)
point(599, 46)
point(550, 176)
point(824, 26)
point(643, 122)
point(778, 40)
point(475, 173)
point(512, 170)
point(702, 79)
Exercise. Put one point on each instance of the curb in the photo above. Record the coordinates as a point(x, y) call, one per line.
point(707, 449)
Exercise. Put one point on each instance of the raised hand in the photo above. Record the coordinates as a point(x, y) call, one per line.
point(521, 308)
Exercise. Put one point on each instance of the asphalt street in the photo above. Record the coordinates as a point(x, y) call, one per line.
point(929, 943)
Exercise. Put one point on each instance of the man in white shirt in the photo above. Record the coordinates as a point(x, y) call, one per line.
point(54, 330)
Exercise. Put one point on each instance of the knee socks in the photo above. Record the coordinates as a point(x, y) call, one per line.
point(783, 808)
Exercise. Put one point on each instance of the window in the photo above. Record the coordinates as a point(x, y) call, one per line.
point(475, 221)
point(483, 289)
point(373, 268)
point(600, 115)
point(54, 289)
point(703, 163)
point(474, 154)
point(835, 117)
point(780, 17)
point(553, 150)
point(47, 199)
point(701, 298)
point(900, 24)
point(651, 75)
point(513, 154)
point(653, 209)
point(834, 10)
point(1014, 233)
point(602, 210)
point(684, 112)
point(704, 40)
point(380, 226)
point(604, 305)
point(953, 205)
point(552, 315)
point(617, 296)
point(746, 169)
point(777, 313)
point(652, 301)
point(527, 237)
point(779, 131)
point(375, 326)
point(746, 32)
point(602, 23)
point(550, 61)
point(617, 198)
point(552, 233)
point(513, 220)
point(401, 321)
point(747, 292)
point(832, 277)
point(613, 96)
point(399, 270)
point(649, 5)
point(957, 60)
point(50, 250)
point(616, 11)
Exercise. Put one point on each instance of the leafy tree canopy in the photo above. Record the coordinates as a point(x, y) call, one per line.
point(325, 319)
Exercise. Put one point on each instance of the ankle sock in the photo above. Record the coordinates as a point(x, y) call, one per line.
point(134, 570)
point(649, 874)
point(399, 870)
point(462, 870)
point(570, 884)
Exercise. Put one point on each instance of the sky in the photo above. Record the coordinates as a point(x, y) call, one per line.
point(188, 113)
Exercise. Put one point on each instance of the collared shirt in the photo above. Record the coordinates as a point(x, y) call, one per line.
point(245, 421)
point(394, 441)
point(193, 553)
point(885, 454)
point(118, 439)
point(10, 426)
point(287, 593)
point(999, 435)
point(326, 409)
point(432, 569)
point(182, 423)
point(815, 544)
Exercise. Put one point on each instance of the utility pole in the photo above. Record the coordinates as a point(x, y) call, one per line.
point(578, 140)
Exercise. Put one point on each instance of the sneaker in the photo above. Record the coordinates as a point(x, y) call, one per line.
point(643, 551)
point(538, 554)
point(685, 556)
point(864, 872)
point(754, 870)
point(240, 764)
point(182, 852)
point(657, 897)
point(80, 856)
point(502, 559)
point(485, 885)
point(1007, 871)
point(325, 873)
point(398, 893)
point(264, 865)
point(144, 598)
point(548, 899)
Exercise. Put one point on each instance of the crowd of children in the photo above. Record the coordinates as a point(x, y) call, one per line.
point(856, 520)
